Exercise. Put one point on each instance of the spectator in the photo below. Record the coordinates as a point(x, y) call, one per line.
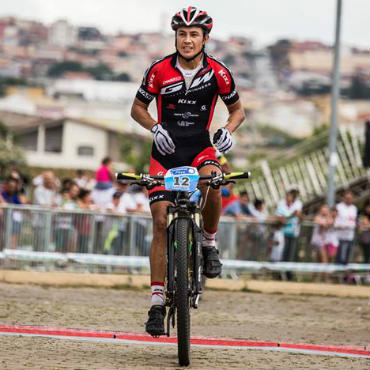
point(127, 202)
point(345, 224)
point(364, 231)
point(83, 221)
point(323, 222)
point(332, 241)
point(45, 193)
point(240, 207)
point(65, 238)
point(104, 189)
point(140, 197)
point(80, 179)
point(277, 242)
point(10, 195)
point(258, 211)
point(228, 196)
point(114, 241)
point(290, 211)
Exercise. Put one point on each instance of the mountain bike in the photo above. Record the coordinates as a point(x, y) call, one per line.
point(184, 249)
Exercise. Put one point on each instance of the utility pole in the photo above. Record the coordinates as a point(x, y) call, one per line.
point(333, 157)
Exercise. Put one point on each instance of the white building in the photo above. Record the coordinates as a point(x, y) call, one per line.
point(63, 143)
point(62, 34)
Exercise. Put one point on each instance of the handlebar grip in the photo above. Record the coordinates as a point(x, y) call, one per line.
point(238, 175)
point(127, 176)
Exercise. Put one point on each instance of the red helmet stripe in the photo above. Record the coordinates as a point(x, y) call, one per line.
point(189, 12)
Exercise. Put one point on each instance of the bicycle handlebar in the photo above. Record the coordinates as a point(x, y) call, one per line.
point(149, 181)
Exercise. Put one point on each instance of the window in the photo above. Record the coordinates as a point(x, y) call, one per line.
point(53, 139)
point(27, 141)
point(85, 151)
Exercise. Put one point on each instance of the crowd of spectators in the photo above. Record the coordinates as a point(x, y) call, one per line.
point(85, 192)
point(333, 233)
point(332, 238)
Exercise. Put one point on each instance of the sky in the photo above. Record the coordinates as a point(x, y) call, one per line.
point(264, 21)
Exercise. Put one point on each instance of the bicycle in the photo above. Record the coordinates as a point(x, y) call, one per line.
point(184, 249)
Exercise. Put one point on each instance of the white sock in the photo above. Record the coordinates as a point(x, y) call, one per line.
point(208, 240)
point(157, 294)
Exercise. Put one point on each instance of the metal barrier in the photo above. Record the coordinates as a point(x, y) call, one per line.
point(30, 233)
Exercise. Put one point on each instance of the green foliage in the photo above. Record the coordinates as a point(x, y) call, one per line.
point(11, 81)
point(9, 153)
point(136, 153)
point(359, 88)
point(124, 77)
point(277, 137)
point(229, 59)
point(101, 72)
point(58, 69)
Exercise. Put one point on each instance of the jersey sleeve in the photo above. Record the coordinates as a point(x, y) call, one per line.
point(149, 87)
point(226, 84)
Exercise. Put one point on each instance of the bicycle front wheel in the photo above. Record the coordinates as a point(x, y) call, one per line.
point(182, 298)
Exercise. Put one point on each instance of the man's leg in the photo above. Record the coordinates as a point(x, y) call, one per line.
point(211, 215)
point(157, 312)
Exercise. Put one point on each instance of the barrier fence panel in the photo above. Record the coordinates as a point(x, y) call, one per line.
point(58, 235)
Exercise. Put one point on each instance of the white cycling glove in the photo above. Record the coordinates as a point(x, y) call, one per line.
point(223, 140)
point(162, 140)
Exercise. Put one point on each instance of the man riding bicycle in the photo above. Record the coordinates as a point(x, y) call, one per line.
point(186, 85)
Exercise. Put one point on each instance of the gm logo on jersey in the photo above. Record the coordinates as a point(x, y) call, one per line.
point(172, 88)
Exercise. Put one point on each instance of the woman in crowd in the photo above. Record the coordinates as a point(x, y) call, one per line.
point(323, 222)
point(364, 231)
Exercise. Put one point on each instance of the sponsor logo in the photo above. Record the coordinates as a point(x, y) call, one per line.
point(228, 97)
point(203, 108)
point(222, 73)
point(151, 79)
point(186, 101)
point(209, 162)
point(186, 115)
point(152, 198)
point(202, 80)
point(201, 87)
point(185, 123)
point(172, 80)
point(145, 94)
point(171, 106)
point(172, 88)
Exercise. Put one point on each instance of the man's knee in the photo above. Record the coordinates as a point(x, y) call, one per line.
point(160, 223)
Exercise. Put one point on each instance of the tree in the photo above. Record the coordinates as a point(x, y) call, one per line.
point(101, 71)
point(124, 77)
point(58, 69)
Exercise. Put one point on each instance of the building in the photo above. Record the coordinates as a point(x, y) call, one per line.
point(66, 143)
point(62, 34)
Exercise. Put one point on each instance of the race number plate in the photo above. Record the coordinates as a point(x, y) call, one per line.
point(181, 179)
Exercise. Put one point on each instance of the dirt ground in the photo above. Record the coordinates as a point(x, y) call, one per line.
point(250, 316)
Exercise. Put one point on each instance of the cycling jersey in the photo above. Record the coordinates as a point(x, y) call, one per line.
point(186, 112)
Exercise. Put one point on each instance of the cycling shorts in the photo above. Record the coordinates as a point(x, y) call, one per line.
point(160, 164)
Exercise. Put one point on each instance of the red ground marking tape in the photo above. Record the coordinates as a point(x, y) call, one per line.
point(47, 330)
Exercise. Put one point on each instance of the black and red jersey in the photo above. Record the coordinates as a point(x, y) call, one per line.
point(187, 113)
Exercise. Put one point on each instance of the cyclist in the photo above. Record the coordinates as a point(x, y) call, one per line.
point(186, 85)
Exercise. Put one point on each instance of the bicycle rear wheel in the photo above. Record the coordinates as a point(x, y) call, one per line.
point(182, 290)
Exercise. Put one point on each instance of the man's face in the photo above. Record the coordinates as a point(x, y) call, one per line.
point(190, 40)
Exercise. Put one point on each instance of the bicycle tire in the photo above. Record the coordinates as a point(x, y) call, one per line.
point(182, 291)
